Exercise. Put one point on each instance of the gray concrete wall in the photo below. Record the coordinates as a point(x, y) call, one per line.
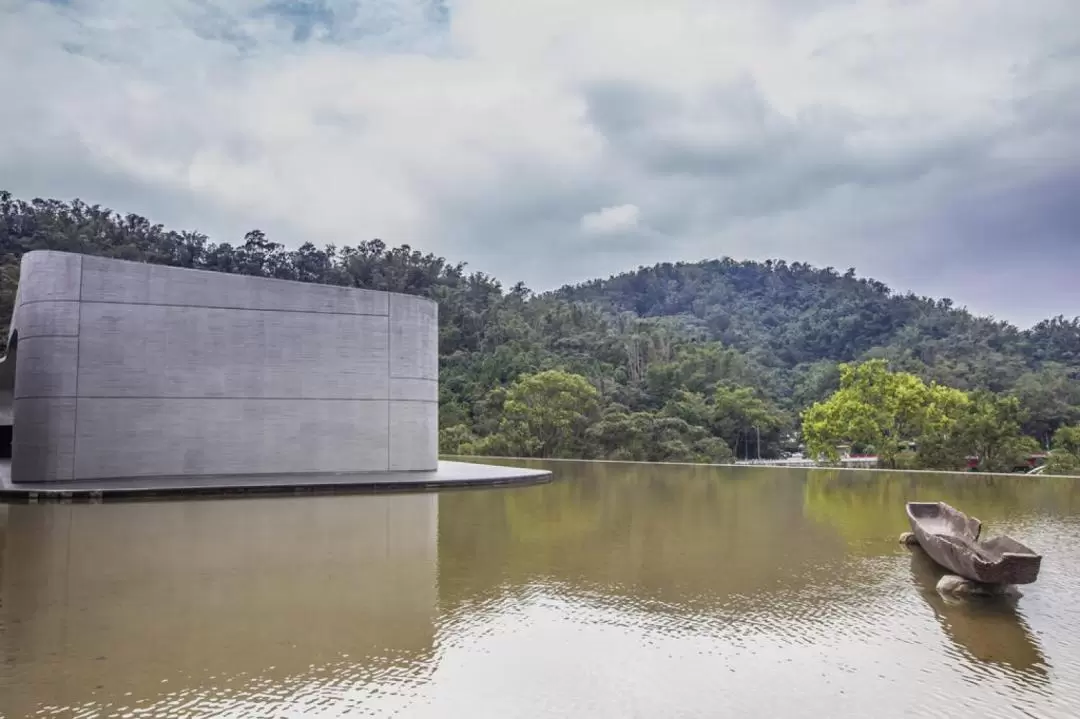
point(124, 369)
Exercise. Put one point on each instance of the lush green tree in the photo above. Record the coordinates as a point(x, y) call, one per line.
point(653, 437)
point(988, 428)
point(1065, 457)
point(814, 382)
point(546, 414)
point(457, 439)
point(742, 416)
point(618, 434)
point(691, 407)
point(1055, 340)
point(697, 368)
point(1050, 397)
point(1067, 439)
point(881, 409)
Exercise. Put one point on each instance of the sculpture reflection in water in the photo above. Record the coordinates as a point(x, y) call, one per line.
point(987, 630)
point(224, 605)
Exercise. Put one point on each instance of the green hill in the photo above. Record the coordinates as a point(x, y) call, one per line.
point(787, 315)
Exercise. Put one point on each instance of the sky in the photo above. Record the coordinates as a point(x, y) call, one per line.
point(931, 144)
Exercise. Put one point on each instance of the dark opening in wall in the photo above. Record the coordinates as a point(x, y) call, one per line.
point(5, 441)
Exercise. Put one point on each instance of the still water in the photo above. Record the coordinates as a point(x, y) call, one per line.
point(617, 591)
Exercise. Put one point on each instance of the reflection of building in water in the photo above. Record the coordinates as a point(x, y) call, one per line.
point(987, 631)
point(212, 598)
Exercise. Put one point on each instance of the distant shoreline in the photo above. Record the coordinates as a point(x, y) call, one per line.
point(468, 457)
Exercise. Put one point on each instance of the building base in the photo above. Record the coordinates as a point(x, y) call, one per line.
point(448, 475)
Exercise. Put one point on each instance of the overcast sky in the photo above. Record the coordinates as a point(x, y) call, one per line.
point(932, 144)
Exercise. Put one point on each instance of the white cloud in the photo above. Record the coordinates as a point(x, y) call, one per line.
point(806, 129)
point(609, 220)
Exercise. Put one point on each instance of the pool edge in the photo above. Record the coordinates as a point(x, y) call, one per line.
point(449, 475)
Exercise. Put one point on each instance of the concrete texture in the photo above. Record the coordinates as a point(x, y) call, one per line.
point(124, 370)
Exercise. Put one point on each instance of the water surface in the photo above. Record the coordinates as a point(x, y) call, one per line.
point(617, 591)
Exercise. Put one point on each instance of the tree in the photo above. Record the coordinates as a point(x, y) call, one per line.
point(740, 413)
point(546, 414)
point(690, 407)
point(988, 428)
point(697, 368)
point(881, 409)
point(815, 382)
point(1065, 457)
point(456, 439)
point(654, 437)
point(1051, 398)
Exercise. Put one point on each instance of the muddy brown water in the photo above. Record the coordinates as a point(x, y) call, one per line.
point(616, 591)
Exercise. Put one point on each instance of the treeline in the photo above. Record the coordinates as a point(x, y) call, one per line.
point(685, 362)
point(913, 424)
point(910, 423)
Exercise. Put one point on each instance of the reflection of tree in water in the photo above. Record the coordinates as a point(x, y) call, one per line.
point(867, 508)
point(668, 536)
point(990, 631)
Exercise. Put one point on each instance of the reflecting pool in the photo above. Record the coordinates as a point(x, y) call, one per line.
point(619, 590)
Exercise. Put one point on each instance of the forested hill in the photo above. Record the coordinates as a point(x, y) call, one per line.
point(786, 315)
point(672, 362)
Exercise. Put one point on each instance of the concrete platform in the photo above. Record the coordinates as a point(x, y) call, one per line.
point(449, 475)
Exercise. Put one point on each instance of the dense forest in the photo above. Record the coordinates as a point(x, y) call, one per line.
point(697, 361)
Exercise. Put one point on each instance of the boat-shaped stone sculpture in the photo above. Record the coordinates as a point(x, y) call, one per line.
point(951, 538)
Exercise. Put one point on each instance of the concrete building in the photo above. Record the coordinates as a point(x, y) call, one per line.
point(120, 369)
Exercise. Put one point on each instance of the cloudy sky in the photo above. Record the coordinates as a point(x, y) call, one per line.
point(932, 144)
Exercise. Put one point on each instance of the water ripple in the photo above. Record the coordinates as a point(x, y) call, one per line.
point(671, 593)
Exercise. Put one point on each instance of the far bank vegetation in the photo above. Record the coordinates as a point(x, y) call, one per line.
point(700, 362)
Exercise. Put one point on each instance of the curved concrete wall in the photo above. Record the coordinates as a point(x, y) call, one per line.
point(124, 369)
